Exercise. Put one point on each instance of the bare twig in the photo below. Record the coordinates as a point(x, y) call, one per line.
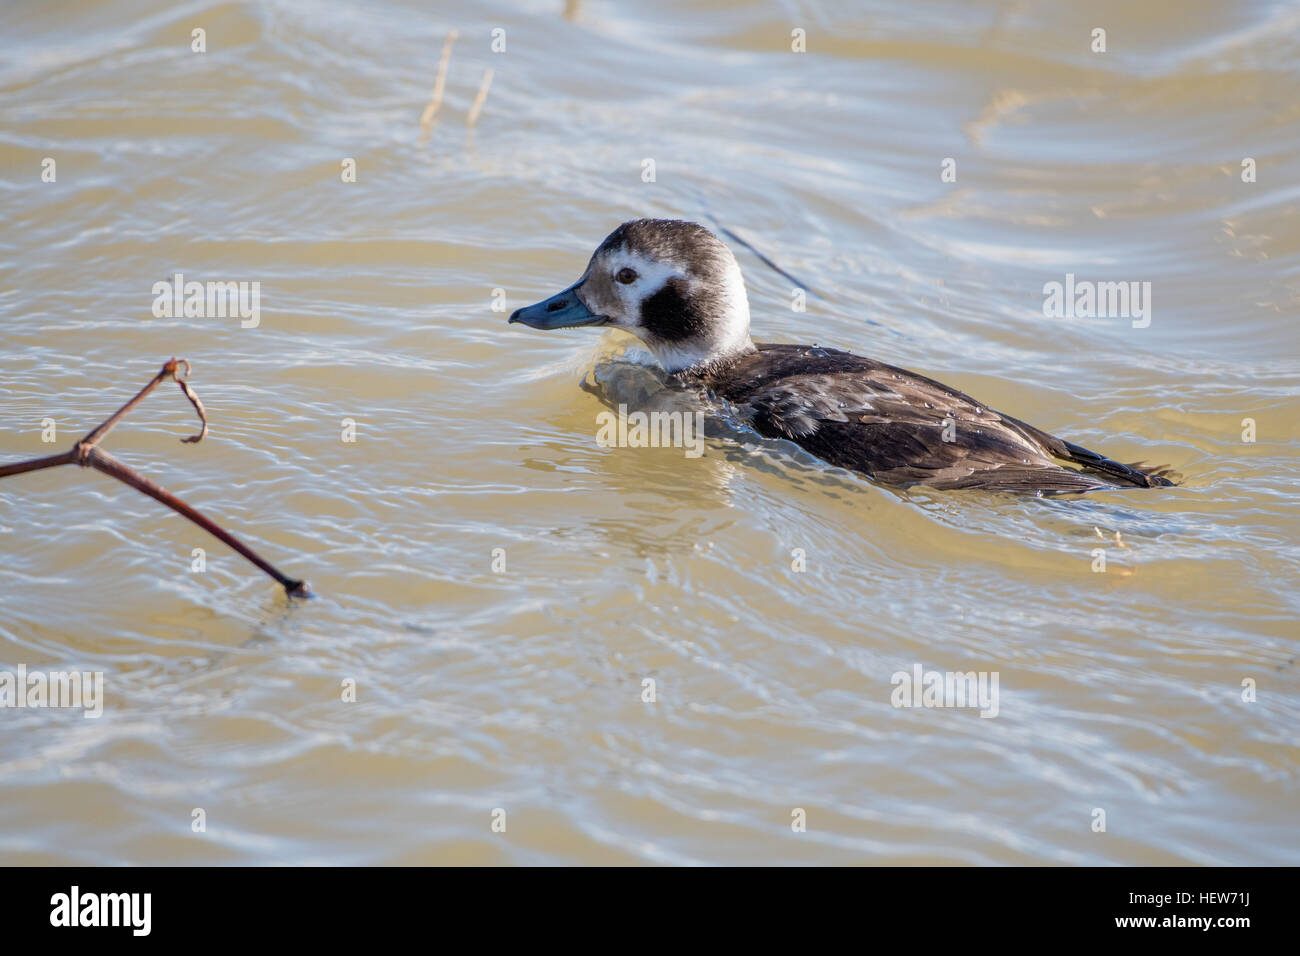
point(88, 454)
point(36, 464)
point(168, 370)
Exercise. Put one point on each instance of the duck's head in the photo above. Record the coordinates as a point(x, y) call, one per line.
point(672, 284)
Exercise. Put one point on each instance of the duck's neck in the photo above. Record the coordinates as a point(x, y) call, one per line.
point(695, 358)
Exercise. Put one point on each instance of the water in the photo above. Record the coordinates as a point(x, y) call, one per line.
point(521, 690)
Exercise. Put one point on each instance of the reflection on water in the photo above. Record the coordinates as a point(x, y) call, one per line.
point(497, 585)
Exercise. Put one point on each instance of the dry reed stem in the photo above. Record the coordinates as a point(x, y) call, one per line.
point(439, 84)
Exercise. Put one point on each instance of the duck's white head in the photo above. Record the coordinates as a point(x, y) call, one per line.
point(672, 284)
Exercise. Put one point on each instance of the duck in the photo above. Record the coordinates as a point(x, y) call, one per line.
point(677, 287)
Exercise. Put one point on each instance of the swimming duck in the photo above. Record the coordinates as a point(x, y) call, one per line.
point(678, 288)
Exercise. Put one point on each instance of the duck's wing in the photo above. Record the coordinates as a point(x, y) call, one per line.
point(902, 428)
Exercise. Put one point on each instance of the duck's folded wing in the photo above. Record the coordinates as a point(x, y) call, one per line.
point(902, 428)
point(906, 431)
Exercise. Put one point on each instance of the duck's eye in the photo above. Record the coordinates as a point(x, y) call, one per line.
point(626, 276)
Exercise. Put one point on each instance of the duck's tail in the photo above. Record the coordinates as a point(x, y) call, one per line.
point(1139, 474)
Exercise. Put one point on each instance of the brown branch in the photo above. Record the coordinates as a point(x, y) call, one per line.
point(36, 464)
point(101, 460)
point(87, 454)
point(184, 383)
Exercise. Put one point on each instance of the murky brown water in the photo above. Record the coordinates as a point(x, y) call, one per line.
point(521, 689)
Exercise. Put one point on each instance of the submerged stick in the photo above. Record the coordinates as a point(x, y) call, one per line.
point(88, 454)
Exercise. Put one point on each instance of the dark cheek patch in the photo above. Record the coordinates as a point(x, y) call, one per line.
point(666, 314)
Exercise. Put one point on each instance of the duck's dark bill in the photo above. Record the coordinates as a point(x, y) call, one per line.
point(564, 310)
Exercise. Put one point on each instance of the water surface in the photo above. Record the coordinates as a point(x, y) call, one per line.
point(521, 688)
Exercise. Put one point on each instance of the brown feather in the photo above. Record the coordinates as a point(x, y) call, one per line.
point(889, 424)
